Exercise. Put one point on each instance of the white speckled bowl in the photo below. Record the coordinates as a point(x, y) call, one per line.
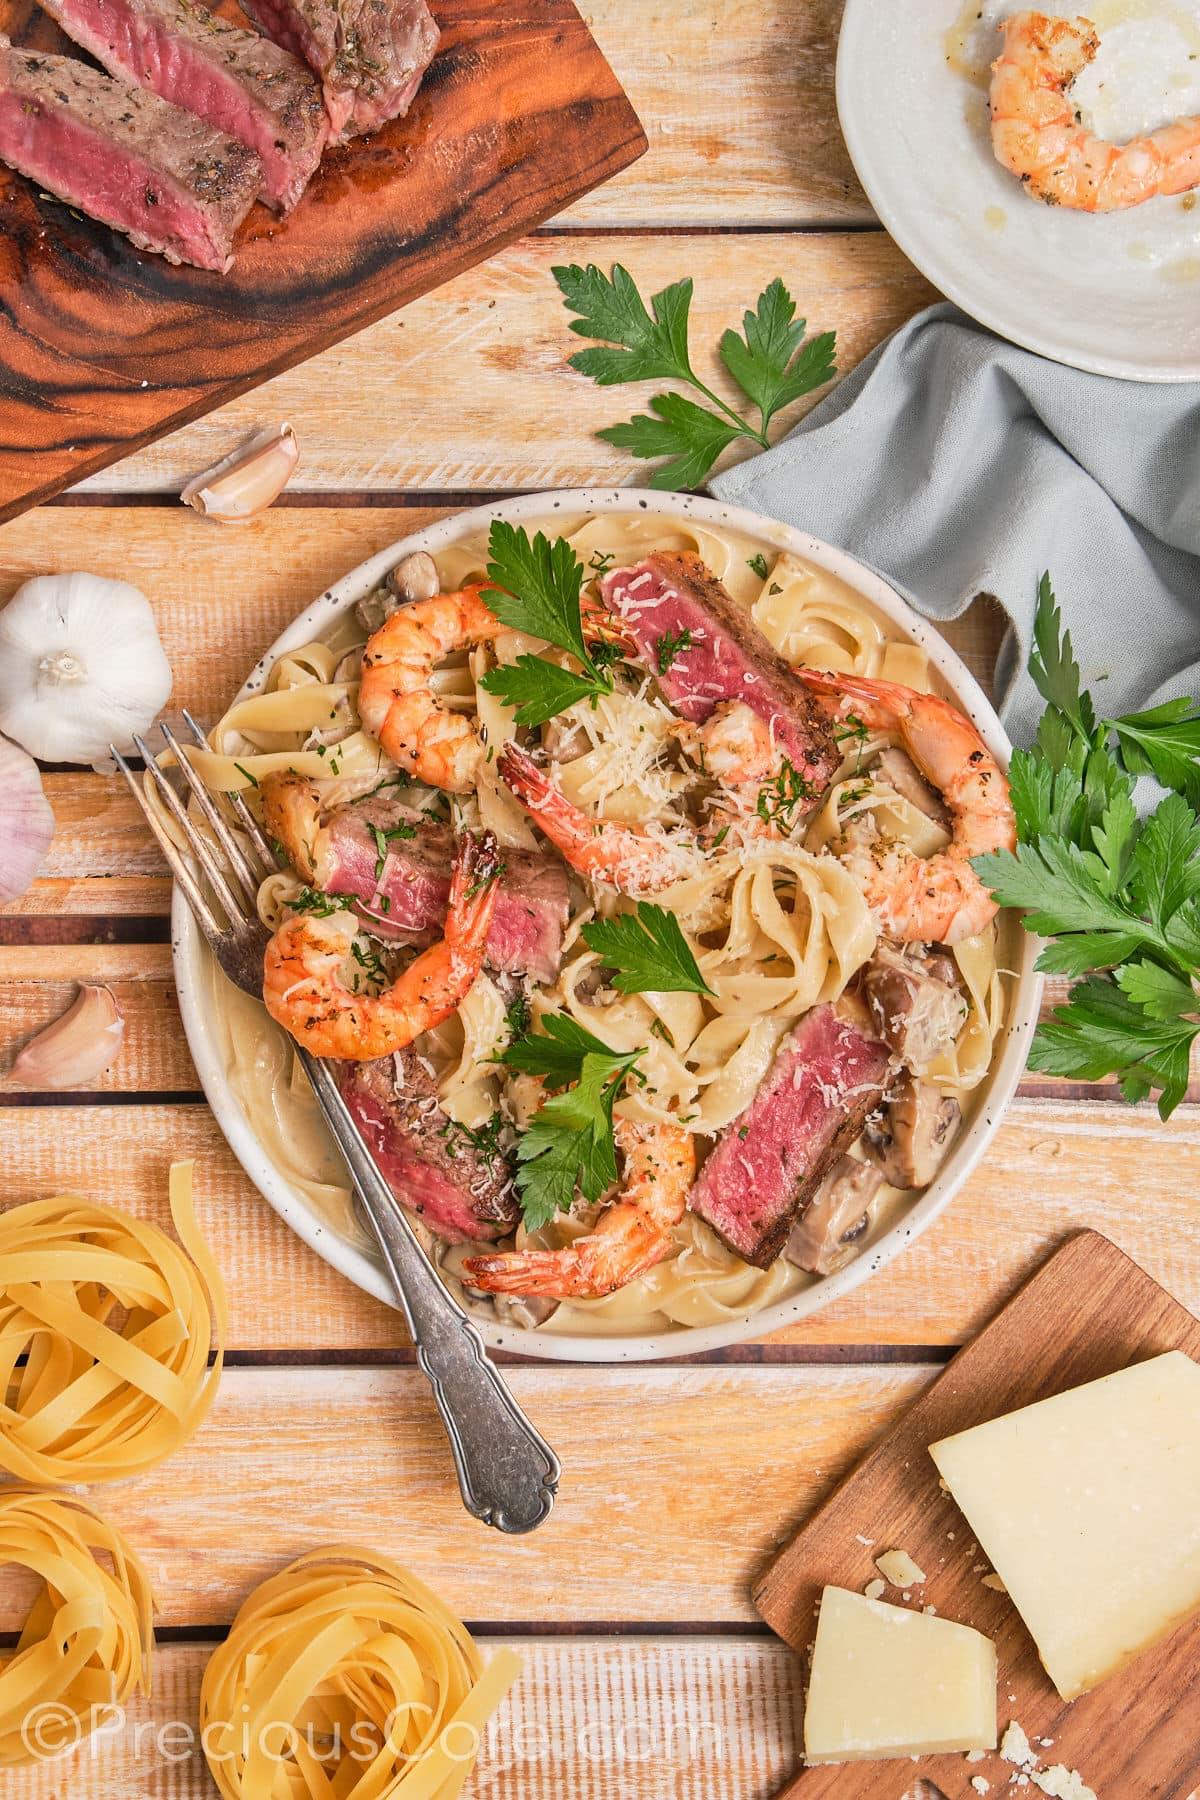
point(348, 1257)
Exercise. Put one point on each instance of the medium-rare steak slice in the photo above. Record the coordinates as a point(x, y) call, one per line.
point(767, 1164)
point(127, 158)
point(432, 1166)
point(401, 884)
point(369, 54)
point(674, 604)
point(240, 82)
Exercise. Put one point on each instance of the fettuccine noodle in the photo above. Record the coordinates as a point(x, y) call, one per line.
point(105, 1331)
point(87, 1642)
point(344, 1675)
point(777, 926)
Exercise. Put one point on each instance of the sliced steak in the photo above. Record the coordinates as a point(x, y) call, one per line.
point(241, 83)
point(370, 55)
point(127, 158)
point(406, 898)
point(431, 1165)
point(826, 1078)
point(680, 615)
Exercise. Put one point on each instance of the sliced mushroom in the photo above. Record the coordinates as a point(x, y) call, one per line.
point(910, 1142)
point(340, 724)
point(915, 1002)
point(901, 773)
point(837, 1217)
point(526, 1311)
point(415, 577)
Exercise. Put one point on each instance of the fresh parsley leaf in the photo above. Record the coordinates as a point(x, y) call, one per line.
point(670, 645)
point(557, 1052)
point(1163, 742)
point(690, 435)
point(648, 951)
point(757, 564)
point(539, 689)
point(770, 360)
point(569, 1143)
point(613, 311)
point(1052, 664)
point(535, 586)
point(1102, 1031)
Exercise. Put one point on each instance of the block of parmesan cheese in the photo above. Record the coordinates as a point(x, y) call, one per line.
point(1086, 1504)
point(889, 1682)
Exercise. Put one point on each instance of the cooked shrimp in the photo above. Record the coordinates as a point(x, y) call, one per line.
point(292, 815)
point(937, 899)
point(631, 1236)
point(396, 701)
point(302, 981)
point(625, 857)
point(1037, 134)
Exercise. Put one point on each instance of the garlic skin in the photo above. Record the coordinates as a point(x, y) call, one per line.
point(26, 821)
point(245, 483)
point(81, 667)
point(77, 1047)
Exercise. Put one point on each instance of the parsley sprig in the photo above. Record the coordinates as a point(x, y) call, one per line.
point(535, 587)
point(569, 1144)
point(771, 359)
point(1118, 896)
point(648, 951)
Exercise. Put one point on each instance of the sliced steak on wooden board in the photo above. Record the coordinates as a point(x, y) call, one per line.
point(240, 82)
point(162, 176)
point(825, 1079)
point(369, 54)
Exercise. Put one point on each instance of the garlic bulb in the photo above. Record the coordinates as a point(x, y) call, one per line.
point(245, 483)
point(81, 667)
point(77, 1047)
point(26, 822)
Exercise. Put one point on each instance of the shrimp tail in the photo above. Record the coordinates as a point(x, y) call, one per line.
point(474, 884)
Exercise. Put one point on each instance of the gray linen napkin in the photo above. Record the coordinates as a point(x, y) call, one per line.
point(955, 464)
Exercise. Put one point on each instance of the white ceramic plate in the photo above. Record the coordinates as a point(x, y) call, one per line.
point(1117, 293)
point(347, 1256)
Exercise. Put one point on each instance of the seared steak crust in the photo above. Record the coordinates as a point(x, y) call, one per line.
point(369, 54)
point(239, 82)
point(127, 158)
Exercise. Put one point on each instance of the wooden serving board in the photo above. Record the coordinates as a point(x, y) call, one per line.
point(104, 348)
point(1087, 1312)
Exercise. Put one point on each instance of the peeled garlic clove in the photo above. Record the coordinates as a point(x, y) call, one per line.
point(26, 821)
point(244, 484)
point(77, 1047)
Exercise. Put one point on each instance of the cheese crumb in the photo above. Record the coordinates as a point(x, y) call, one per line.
point(980, 1785)
point(1015, 1747)
point(995, 1582)
point(1063, 1783)
point(898, 1567)
point(875, 1590)
point(859, 1539)
point(976, 1755)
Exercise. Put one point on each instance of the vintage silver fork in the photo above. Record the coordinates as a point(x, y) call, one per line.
point(507, 1472)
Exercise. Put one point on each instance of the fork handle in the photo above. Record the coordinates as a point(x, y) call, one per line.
point(507, 1472)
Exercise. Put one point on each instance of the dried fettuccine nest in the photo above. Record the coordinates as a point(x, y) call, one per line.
point(89, 1635)
point(344, 1675)
point(115, 1322)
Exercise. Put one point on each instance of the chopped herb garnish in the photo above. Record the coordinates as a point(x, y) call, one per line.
point(383, 837)
point(312, 900)
point(670, 645)
point(243, 770)
point(779, 799)
point(758, 563)
point(601, 562)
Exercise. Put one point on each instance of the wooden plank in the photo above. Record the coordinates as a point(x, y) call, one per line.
point(468, 389)
point(1087, 1313)
point(1051, 1168)
point(293, 1457)
point(104, 347)
point(704, 1718)
point(37, 985)
point(737, 101)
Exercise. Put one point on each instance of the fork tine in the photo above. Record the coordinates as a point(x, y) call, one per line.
point(213, 872)
point(245, 875)
point(180, 870)
point(241, 811)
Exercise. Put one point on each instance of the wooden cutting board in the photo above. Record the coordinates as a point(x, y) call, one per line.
point(104, 348)
point(1087, 1312)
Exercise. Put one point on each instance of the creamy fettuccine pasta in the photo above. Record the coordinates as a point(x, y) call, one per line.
point(779, 924)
